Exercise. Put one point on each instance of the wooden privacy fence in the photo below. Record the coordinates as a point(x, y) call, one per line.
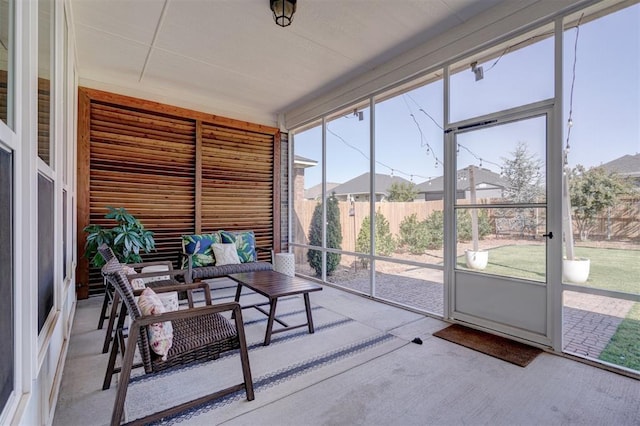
point(622, 223)
point(394, 212)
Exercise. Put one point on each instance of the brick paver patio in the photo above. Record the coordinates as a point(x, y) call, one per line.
point(589, 321)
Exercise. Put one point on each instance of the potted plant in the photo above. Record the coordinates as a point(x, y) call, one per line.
point(127, 239)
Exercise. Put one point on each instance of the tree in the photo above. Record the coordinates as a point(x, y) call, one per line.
point(592, 191)
point(385, 243)
point(524, 184)
point(522, 174)
point(334, 236)
point(402, 191)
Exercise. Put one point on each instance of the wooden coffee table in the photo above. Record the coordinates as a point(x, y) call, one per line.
point(273, 285)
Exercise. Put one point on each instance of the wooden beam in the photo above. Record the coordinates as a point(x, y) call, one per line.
point(276, 191)
point(83, 196)
point(198, 176)
point(113, 98)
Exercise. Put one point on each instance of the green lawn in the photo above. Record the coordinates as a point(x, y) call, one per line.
point(624, 347)
point(611, 269)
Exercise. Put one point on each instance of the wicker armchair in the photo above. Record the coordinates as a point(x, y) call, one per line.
point(159, 286)
point(198, 334)
point(167, 278)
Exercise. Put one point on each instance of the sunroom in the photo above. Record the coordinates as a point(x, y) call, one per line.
point(454, 161)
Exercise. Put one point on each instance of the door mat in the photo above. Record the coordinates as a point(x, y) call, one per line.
point(497, 346)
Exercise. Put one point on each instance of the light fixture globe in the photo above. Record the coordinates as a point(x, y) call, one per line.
point(283, 11)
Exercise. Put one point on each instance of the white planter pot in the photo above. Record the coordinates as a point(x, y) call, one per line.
point(477, 259)
point(575, 271)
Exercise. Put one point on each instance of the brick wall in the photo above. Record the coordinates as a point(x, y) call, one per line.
point(284, 192)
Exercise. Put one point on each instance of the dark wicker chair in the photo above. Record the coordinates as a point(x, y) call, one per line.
point(111, 297)
point(200, 333)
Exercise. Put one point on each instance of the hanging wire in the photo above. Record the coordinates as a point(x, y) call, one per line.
point(355, 148)
point(423, 142)
point(508, 48)
point(425, 112)
point(573, 82)
point(476, 156)
point(393, 170)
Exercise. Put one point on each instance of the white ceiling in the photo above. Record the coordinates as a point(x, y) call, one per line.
point(228, 57)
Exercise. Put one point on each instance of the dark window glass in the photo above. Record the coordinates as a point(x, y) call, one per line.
point(64, 234)
point(45, 249)
point(6, 283)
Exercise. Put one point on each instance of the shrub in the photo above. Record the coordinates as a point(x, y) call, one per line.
point(408, 230)
point(334, 236)
point(464, 225)
point(434, 230)
point(414, 235)
point(385, 243)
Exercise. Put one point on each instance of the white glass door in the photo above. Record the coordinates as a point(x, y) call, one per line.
point(500, 221)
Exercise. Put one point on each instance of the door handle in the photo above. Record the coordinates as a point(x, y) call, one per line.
point(549, 235)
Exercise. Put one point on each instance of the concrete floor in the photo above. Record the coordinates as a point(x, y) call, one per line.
point(437, 382)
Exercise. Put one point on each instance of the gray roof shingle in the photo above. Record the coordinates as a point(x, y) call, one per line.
point(360, 184)
point(481, 175)
point(627, 165)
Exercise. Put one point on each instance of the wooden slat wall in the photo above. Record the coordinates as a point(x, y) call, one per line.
point(44, 123)
point(143, 162)
point(3, 95)
point(237, 181)
point(178, 171)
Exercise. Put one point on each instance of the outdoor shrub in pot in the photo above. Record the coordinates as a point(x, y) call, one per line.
point(128, 238)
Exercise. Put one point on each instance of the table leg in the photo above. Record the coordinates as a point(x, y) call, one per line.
point(237, 298)
point(307, 305)
point(272, 315)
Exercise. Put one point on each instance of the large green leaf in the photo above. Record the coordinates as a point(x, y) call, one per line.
point(127, 239)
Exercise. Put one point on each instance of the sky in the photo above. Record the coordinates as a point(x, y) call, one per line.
point(409, 136)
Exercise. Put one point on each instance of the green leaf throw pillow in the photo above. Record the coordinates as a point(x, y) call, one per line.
point(245, 244)
point(200, 247)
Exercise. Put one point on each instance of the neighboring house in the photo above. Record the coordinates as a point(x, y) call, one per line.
point(299, 164)
point(627, 166)
point(488, 185)
point(358, 188)
point(315, 192)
